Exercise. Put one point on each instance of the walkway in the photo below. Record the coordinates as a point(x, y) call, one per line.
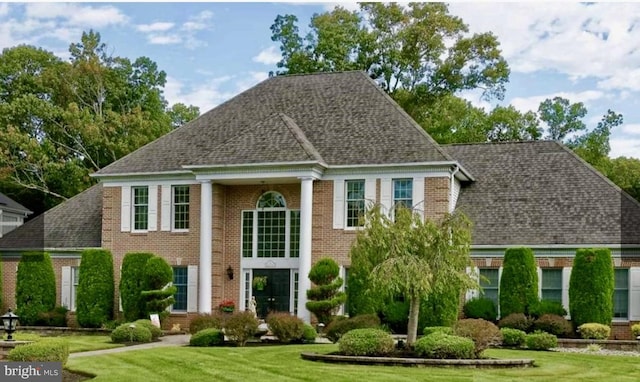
point(169, 340)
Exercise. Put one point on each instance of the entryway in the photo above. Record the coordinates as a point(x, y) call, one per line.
point(276, 294)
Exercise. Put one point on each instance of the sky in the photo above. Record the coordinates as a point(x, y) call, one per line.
point(585, 52)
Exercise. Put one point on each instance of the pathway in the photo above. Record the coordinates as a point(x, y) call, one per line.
point(169, 340)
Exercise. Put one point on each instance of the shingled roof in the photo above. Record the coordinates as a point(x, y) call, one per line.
point(8, 204)
point(333, 118)
point(76, 223)
point(530, 193)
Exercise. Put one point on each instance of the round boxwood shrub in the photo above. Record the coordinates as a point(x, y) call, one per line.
point(519, 281)
point(94, 301)
point(635, 330)
point(214, 320)
point(482, 332)
point(543, 307)
point(240, 327)
point(338, 327)
point(35, 287)
point(130, 332)
point(285, 326)
point(49, 350)
point(553, 324)
point(309, 334)
point(541, 341)
point(207, 337)
point(513, 337)
point(156, 332)
point(594, 331)
point(366, 342)
point(516, 321)
point(444, 346)
point(591, 287)
point(437, 329)
point(480, 308)
point(132, 285)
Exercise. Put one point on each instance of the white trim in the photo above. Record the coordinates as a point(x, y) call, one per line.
point(339, 205)
point(143, 173)
point(634, 294)
point(252, 165)
point(192, 288)
point(125, 209)
point(419, 202)
point(386, 195)
point(260, 175)
point(65, 289)
point(159, 183)
point(566, 278)
point(474, 273)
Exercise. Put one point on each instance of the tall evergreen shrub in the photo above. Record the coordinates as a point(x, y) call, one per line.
point(519, 282)
point(35, 287)
point(94, 300)
point(325, 296)
point(157, 292)
point(591, 287)
point(132, 285)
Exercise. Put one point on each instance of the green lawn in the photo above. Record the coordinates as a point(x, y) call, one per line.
point(77, 343)
point(283, 363)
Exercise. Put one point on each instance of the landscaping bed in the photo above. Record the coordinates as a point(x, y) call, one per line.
point(624, 345)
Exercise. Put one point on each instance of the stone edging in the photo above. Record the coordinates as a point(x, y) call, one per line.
point(394, 361)
point(626, 345)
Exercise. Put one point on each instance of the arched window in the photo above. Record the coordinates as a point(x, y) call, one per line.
point(271, 199)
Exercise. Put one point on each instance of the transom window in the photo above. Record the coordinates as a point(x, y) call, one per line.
point(490, 283)
point(140, 208)
point(180, 207)
point(403, 193)
point(355, 202)
point(180, 278)
point(271, 200)
point(552, 285)
point(621, 293)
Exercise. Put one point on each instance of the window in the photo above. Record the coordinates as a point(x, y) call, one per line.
point(296, 282)
point(74, 287)
point(489, 283)
point(181, 208)
point(180, 278)
point(9, 223)
point(403, 193)
point(140, 208)
point(621, 294)
point(294, 234)
point(551, 285)
point(355, 202)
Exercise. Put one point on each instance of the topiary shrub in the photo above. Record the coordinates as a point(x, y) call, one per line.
point(50, 350)
point(513, 337)
point(156, 332)
point(591, 287)
point(553, 324)
point(240, 327)
point(635, 330)
point(130, 332)
point(325, 296)
point(158, 291)
point(309, 334)
point(482, 332)
point(337, 328)
point(366, 342)
point(35, 287)
point(444, 346)
point(437, 329)
point(214, 320)
point(541, 341)
point(57, 317)
point(94, 301)
point(480, 308)
point(594, 331)
point(132, 285)
point(207, 337)
point(285, 326)
point(516, 321)
point(543, 307)
point(519, 281)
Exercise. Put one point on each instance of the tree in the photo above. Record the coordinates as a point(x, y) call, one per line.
point(325, 296)
point(591, 287)
point(412, 257)
point(562, 117)
point(519, 282)
point(35, 287)
point(157, 291)
point(181, 114)
point(625, 172)
point(95, 291)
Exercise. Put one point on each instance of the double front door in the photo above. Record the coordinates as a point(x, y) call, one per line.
point(276, 294)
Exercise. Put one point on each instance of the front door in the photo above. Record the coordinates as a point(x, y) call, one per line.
point(276, 294)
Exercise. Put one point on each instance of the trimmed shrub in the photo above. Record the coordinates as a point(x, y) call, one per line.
point(444, 346)
point(441, 308)
point(519, 281)
point(480, 308)
point(132, 285)
point(50, 350)
point(56, 317)
point(516, 321)
point(207, 337)
point(130, 332)
point(553, 324)
point(482, 332)
point(157, 292)
point(513, 337)
point(363, 342)
point(35, 287)
point(591, 287)
point(594, 331)
point(541, 341)
point(240, 327)
point(437, 329)
point(338, 327)
point(543, 307)
point(94, 301)
point(285, 326)
point(309, 334)
point(215, 320)
point(635, 330)
point(325, 296)
point(395, 316)
point(156, 332)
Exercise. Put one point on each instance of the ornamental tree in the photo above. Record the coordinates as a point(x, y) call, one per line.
point(325, 296)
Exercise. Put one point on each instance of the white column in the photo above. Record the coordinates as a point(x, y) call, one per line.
point(206, 210)
point(306, 213)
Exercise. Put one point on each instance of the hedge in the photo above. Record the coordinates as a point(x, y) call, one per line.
point(285, 326)
point(594, 331)
point(366, 342)
point(482, 307)
point(132, 285)
point(513, 337)
point(444, 346)
point(339, 326)
point(519, 281)
point(207, 337)
point(591, 287)
point(50, 350)
point(94, 301)
point(541, 341)
point(35, 287)
point(131, 332)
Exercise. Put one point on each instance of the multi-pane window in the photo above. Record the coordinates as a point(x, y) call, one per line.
point(180, 279)
point(489, 283)
point(355, 202)
point(140, 208)
point(551, 285)
point(621, 293)
point(272, 233)
point(247, 233)
point(74, 287)
point(294, 234)
point(180, 207)
point(403, 193)
point(296, 281)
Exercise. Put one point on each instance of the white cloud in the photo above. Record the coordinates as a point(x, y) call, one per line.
point(269, 56)
point(157, 33)
point(532, 103)
point(77, 15)
point(625, 148)
point(168, 39)
point(632, 128)
point(198, 22)
point(155, 27)
point(4, 9)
